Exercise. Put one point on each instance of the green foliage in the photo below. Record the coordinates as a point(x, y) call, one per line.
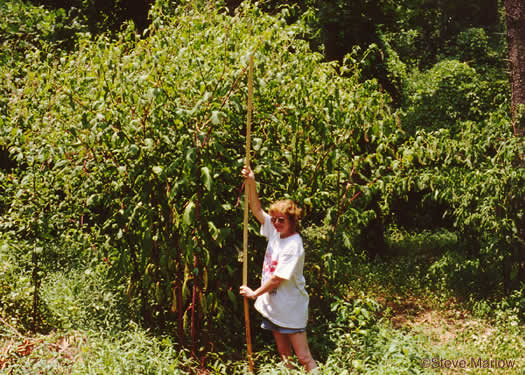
point(345, 24)
point(16, 290)
point(453, 271)
point(132, 148)
point(421, 32)
point(25, 265)
point(26, 31)
point(95, 352)
point(132, 351)
point(81, 299)
point(432, 25)
point(28, 28)
point(404, 43)
point(367, 345)
point(123, 167)
point(104, 16)
point(401, 348)
point(473, 45)
point(426, 242)
point(478, 174)
point(358, 315)
point(443, 96)
point(512, 306)
point(358, 336)
point(515, 303)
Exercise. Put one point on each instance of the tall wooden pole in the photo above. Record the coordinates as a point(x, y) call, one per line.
point(245, 232)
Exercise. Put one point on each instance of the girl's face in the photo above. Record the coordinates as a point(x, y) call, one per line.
point(282, 224)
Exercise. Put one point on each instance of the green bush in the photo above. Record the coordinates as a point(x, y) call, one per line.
point(134, 351)
point(132, 147)
point(127, 154)
point(24, 28)
point(477, 174)
point(454, 272)
point(366, 344)
point(442, 97)
point(473, 45)
point(404, 42)
point(516, 302)
point(512, 305)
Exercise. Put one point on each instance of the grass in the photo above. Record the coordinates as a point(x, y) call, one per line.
point(134, 351)
point(392, 320)
point(401, 336)
point(425, 326)
point(387, 348)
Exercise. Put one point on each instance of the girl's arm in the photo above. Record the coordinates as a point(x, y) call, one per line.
point(251, 190)
point(270, 284)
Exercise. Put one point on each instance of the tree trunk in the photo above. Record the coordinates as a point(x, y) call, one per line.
point(515, 19)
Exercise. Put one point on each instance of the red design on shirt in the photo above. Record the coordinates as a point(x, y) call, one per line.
point(269, 266)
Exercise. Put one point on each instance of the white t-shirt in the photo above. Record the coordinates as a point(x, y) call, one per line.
point(286, 305)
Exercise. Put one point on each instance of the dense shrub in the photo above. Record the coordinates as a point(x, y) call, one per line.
point(473, 45)
point(425, 242)
point(454, 272)
point(24, 28)
point(442, 97)
point(94, 352)
point(132, 149)
point(365, 344)
point(478, 175)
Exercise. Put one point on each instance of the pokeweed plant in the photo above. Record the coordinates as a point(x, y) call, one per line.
point(136, 145)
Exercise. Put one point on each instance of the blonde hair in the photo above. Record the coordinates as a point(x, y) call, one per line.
point(289, 208)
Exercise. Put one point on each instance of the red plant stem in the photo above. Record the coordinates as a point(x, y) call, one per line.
point(193, 310)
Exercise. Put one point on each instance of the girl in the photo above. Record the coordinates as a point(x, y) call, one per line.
point(281, 299)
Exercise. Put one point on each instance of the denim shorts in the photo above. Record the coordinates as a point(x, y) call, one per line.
point(267, 324)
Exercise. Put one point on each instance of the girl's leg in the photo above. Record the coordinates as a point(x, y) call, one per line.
point(302, 351)
point(283, 346)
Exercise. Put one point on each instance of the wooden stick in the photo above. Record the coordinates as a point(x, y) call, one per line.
point(245, 232)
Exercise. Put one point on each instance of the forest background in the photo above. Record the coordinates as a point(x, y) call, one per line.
point(122, 131)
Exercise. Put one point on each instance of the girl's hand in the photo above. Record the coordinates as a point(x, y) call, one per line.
point(248, 173)
point(247, 292)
